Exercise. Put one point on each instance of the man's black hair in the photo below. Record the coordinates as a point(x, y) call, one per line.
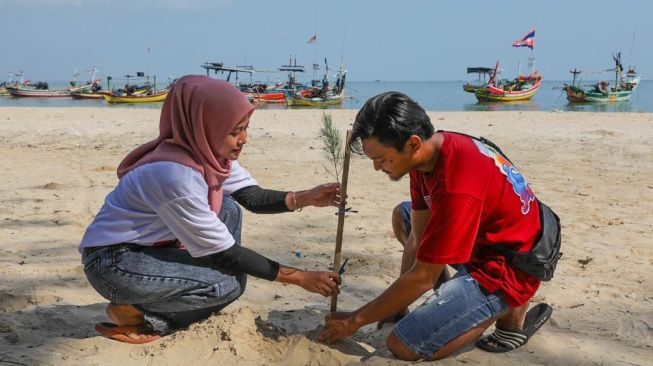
point(391, 118)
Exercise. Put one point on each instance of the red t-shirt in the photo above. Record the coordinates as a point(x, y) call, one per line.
point(477, 199)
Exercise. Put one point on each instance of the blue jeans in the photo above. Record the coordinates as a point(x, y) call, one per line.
point(405, 211)
point(456, 307)
point(171, 288)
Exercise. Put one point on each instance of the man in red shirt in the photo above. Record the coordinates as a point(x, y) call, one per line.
point(465, 197)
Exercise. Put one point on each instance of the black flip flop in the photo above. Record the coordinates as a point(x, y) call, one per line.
point(504, 340)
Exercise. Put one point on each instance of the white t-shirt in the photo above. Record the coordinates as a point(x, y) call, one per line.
point(164, 201)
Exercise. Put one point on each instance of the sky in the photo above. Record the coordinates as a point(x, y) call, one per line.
point(407, 40)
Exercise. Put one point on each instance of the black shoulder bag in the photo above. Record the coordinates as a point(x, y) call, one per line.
point(543, 257)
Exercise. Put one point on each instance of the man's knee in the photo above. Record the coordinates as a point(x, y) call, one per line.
point(398, 226)
point(396, 216)
point(399, 349)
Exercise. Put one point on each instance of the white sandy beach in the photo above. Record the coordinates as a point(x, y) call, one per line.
point(57, 164)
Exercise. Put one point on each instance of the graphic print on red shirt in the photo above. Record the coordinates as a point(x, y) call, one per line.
point(476, 199)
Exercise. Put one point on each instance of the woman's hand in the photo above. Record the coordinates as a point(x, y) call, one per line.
point(339, 325)
point(327, 194)
point(323, 283)
point(319, 282)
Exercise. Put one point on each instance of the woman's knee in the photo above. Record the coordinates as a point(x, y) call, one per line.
point(242, 281)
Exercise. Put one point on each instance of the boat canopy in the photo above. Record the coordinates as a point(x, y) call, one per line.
point(219, 66)
point(480, 70)
point(292, 68)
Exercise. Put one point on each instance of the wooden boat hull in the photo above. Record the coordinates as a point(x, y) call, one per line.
point(471, 88)
point(49, 93)
point(158, 97)
point(484, 96)
point(77, 95)
point(273, 97)
point(492, 94)
point(577, 95)
point(301, 101)
point(38, 93)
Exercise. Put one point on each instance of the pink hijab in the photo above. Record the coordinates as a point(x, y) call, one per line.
point(197, 115)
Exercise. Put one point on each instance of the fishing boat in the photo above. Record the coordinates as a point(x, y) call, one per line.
point(521, 88)
point(261, 93)
point(42, 89)
point(632, 78)
point(18, 82)
point(92, 95)
point(219, 67)
point(95, 92)
point(138, 89)
point(299, 100)
point(321, 94)
point(158, 96)
point(38, 93)
point(601, 91)
point(481, 81)
point(277, 93)
point(255, 92)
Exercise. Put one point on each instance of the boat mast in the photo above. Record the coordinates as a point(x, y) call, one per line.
point(531, 62)
point(147, 66)
point(632, 53)
point(75, 74)
point(617, 69)
point(519, 68)
point(616, 78)
point(575, 72)
point(493, 79)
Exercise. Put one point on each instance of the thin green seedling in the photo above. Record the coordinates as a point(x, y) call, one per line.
point(332, 146)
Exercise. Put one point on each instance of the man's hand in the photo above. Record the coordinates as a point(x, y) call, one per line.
point(392, 318)
point(338, 325)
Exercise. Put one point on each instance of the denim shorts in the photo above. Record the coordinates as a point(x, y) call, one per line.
point(404, 211)
point(459, 305)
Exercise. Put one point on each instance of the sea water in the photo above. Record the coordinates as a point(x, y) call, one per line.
point(432, 95)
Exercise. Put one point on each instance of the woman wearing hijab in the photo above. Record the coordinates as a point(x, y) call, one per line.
point(165, 247)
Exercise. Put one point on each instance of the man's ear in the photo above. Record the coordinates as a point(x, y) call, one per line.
point(413, 144)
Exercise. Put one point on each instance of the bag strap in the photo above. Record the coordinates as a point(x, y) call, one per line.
point(484, 141)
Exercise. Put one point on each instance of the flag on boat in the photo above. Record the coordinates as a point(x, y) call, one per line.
point(526, 41)
point(313, 39)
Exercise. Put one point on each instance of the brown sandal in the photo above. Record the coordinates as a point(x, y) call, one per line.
point(121, 333)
